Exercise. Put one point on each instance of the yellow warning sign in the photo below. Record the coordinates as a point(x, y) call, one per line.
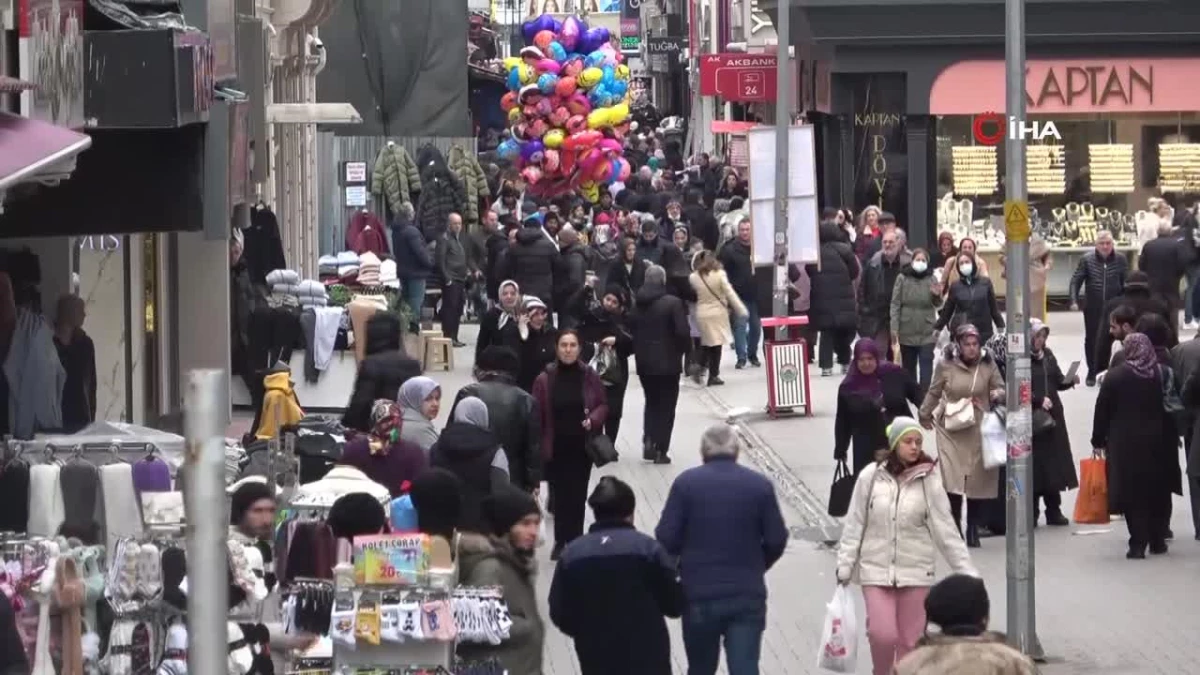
point(1016, 221)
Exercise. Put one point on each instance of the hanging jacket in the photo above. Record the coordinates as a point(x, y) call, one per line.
point(441, 194)
point(280, 406)
point(365, 233)
point(263, 246)
point(466, 168)
point(35, 378)
point(395, 177)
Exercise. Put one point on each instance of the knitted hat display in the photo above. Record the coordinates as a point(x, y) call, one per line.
point(355, 515)
point(507, 507)
point(368, 269)
point(389, 274)
point(244, 497)
point(899, 428)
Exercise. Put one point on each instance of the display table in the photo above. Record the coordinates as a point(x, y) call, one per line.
point(1062, 265)
point(329, 394)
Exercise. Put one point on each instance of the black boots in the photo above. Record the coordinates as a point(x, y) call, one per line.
point(972, 536)
point(649, 451)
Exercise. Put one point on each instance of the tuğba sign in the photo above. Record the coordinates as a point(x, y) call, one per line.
point(741, 78)
point(656, 46)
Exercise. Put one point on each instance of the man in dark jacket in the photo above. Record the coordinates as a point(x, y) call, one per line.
point(1138, 296)
point(494, 244)
point(875, 289)
point(723, 552)
point(1101, 273)
point(1185, 361)
point(532, 262)
point(514, 422)
point(12, 652)
point(661, 337)
point(739, 267)
point(384, 368)
point(1166, 260)
point(575, 262)
point(700, 219)
point(248, 357)
point(456, 267)
point(613, 588)
point(414, 265)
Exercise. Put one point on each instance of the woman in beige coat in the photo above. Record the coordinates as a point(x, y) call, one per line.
point(715, 299)
point(965, 373)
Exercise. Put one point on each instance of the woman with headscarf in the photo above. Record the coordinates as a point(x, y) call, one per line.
point(383, 455)
point(495, 319)
point(944, 252)
point(971, 299)
point(420, 400)
point(468, 449)
point(951, 272)
point(873, 393)
point(1053, 464)
point(573, 407)
point(1138, 437)
point(966, 384)
point(531, 336)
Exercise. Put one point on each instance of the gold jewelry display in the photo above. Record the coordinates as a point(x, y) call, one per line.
point(1046, 169)
point(974, 169)
point(1110, 168)
point(1179, 167)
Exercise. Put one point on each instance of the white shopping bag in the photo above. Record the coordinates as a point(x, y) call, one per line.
point(995, 441)
point(543, 491)
point(839, 637)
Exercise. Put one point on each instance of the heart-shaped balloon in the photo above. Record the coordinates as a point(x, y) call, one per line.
point(593, 39)
point(572, 28)
point(531, 28)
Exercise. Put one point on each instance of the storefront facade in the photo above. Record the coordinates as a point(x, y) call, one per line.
point(910, 77)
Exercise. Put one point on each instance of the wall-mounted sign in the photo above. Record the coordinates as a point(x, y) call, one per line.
point(665, 46)
point(356, 195)
point(356, 172)
point(742, 78)
point(99, 242)
point(631, 26)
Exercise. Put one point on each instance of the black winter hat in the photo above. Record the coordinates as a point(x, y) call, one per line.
point(497, 359)
point(356, 514)
point(507, 507)
point(958, 605)
point(437, 497)
point(245, 496)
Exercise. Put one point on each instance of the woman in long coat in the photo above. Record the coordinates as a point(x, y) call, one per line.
point(1053, 464)
point(831, 299)
point(715, 301)
point(1137, 436)
point(965, 371)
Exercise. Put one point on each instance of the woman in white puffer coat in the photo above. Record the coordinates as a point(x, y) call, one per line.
point(899, 515)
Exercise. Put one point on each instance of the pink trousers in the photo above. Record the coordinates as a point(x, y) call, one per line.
point(895, 621)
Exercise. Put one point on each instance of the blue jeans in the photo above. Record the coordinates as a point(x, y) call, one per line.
point(413, 294)
point(739, 621)
point(746, 333)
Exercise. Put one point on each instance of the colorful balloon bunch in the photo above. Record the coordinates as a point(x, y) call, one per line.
point(568, 108)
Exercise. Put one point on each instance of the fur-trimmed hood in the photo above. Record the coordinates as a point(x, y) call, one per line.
point(985, 654)
point(474, 548)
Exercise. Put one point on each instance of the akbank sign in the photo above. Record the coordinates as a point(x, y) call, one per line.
point(992, 129)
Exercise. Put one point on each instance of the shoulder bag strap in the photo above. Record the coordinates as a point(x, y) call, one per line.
point(714, 293)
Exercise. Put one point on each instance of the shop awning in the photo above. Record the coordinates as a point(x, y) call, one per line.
point(29, 148)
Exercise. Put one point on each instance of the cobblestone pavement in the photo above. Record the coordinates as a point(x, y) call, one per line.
point(1097, 612)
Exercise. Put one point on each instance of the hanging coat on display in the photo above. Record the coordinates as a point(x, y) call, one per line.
point(366, 233)
point(262, 244)
point(466, 168)
point(442, 193)
point(395, 177)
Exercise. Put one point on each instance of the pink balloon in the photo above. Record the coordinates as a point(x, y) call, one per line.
point(547, 66)
point(610, 54)
point(609, 145)
point(569, 35)
point(578, 104)
point(590, 161)
point(623, 174)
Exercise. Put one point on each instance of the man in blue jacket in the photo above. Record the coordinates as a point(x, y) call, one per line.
point(613, 588)
point(414, 265)
point(724, 523)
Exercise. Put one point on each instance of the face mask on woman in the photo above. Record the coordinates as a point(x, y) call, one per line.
point(966, 269)
point(919, 266)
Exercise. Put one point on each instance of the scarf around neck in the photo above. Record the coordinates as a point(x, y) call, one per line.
point(858, 382)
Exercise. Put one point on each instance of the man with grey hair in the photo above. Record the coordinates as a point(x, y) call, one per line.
point(414, 264)
point(1165, 260)
point(875, 290)
point(660, 339)
point(724, 552)
point(1101, 275)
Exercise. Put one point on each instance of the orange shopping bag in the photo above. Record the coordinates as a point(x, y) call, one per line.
point(1091, 508)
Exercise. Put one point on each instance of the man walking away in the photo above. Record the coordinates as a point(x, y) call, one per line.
point(1165, 260)
point(875, 291)
point(495, 242)
point(613, 589)
point(413, 263)
point(661, 338)
point(532, 262)
point(1185, 361)
point(739, 267)
point(1101, 273)
point(574, 262)
point(455, 267)
point(725, 547)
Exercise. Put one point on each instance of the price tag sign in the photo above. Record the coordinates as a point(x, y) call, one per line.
point(392, 560)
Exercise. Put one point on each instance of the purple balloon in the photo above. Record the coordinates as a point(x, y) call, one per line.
point(592, 39)
point(572, 28)
point(532, 151)
point(534, 26)
point(556, 26)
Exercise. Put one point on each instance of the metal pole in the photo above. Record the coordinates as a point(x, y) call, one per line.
point(783, 125)
point(204, 490)
point(1022, 628)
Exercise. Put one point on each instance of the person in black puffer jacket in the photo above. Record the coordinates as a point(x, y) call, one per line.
point(532, 262)
point(971, 299)
point(832, 306)
point(661, 338)
point(700, 220)
point(381, 373)
point(1102, 274)
point(511, 411)
point(495, 244)
point(739, 267)
point(575, 260)
point(442, 193)
point(468, 449)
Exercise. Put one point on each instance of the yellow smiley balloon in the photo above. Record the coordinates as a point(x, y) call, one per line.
point(553, 138)
point(526, 73)
point(591, 191)
point(621, 74)
point(511, 62)
point(590, 77)
point(514, 115)
point(598, 118)
point(618, 113)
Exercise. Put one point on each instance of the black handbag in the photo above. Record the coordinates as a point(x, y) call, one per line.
point(1043, 421)
point(600, 450)
point(841, 490)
